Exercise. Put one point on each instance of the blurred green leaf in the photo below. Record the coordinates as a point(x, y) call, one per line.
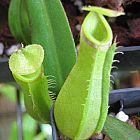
point(118, 130)
point(9, 91)
point(29, 129)
point(40, 136)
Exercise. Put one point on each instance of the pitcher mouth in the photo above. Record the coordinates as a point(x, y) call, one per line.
point(96, 31)
point(30, 77)
point(27, 60)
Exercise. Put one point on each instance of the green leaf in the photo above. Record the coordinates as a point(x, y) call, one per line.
point(29, 129)
point(9, 91)
point(49, 27)
point(18, 22)
point(118, 130)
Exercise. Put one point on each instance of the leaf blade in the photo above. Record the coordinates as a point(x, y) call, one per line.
point(49, 27)
point(118, 130)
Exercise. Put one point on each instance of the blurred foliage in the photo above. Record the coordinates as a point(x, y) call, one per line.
point(29, 129)
point(29, 124)
point(9, 91)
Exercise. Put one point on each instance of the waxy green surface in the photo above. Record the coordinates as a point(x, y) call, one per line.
point(27, 69)
point(82, 105)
